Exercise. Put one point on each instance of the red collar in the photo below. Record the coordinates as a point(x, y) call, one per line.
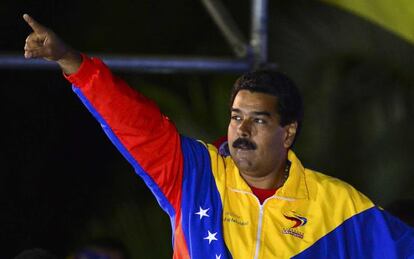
point(262, 194)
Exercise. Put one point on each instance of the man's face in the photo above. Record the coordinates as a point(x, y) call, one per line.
point(257, 142)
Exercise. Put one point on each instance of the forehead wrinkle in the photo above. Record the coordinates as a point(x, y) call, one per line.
point(255, 104)
point(262, 113)
point(256, 113)
point(252, 110)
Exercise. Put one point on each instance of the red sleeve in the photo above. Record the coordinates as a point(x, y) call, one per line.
point(146, 137)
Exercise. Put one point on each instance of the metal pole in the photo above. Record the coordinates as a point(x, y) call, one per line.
point(142, 64)
point(258, 40)
point(227, 26)
point(254, 55)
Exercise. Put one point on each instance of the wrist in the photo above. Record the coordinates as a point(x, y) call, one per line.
point(70, 62)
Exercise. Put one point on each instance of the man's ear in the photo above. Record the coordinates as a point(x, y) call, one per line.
point(290, 134)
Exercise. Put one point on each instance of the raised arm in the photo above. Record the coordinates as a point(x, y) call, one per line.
point(146, 138)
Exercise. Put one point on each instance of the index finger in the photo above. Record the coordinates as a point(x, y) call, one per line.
point(37, 27)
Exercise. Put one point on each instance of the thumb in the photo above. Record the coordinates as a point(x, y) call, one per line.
point(37, 27)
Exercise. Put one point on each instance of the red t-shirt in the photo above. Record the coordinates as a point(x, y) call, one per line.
point(262, 194)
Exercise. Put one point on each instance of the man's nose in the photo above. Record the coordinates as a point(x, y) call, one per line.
point(244, 130)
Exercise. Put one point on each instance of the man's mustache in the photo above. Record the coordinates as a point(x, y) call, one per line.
point(243, 143)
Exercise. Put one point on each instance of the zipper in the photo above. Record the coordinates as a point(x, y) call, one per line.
point(260, 221)
point(259, 228)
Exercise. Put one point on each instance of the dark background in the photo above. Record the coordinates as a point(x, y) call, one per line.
point(62, 182)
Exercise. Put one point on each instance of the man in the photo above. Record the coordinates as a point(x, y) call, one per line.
point(258, 202)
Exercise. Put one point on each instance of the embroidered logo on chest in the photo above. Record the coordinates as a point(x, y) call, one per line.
point(295, 221)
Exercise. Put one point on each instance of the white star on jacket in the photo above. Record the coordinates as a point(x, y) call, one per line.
point(218, 256)
point(211, 237)
point(203, 213)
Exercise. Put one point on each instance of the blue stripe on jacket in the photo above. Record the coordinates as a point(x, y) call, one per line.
point(373, 233)
point(199, 191)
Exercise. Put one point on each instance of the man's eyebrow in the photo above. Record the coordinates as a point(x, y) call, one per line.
point(257, 113)
point(262, 113)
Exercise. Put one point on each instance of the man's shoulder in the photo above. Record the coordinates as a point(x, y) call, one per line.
point(327, 189)
point(326, 181)
point(335, 191)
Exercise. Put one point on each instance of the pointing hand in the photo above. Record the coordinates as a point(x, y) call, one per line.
point(44, 43)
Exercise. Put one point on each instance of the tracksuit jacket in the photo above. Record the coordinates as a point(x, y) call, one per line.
point(213, 212)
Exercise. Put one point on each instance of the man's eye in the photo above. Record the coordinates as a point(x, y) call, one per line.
point(260, 121)
point(236, 117)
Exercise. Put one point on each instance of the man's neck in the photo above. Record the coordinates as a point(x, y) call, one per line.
point(271, 180)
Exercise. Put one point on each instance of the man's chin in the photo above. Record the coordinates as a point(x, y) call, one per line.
point(243, 163)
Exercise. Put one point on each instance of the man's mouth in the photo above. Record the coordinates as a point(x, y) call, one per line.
point(243, 147)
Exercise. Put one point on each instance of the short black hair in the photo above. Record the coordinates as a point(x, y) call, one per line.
point(289, 101)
